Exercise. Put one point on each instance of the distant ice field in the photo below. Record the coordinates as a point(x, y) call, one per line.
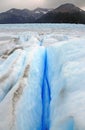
point(59, 32)
point(46, 33)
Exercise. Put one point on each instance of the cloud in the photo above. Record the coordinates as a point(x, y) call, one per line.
point(7, 4)
point(56, 3)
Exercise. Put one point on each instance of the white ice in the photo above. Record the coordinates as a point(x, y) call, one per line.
point(42, 77)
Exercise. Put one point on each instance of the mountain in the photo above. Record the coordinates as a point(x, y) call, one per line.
point(16, 16)
point(66, 13)
point(70, 8)
point(21, 16)
point(38, 12)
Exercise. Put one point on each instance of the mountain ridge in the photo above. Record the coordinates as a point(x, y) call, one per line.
point(65, 13)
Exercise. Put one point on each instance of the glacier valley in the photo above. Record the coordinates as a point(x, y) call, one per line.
point(42, 77)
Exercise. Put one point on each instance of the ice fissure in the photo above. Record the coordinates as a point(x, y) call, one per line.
point(45, 97)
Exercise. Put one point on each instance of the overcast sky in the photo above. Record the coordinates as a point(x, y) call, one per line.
point(31, 4)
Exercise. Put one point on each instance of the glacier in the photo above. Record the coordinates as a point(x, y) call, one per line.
point(42, 77)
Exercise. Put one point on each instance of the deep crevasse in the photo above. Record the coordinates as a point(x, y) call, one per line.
point(42, 87)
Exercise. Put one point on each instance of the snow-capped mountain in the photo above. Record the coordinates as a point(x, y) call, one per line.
point(38, 12)
point(41, 10)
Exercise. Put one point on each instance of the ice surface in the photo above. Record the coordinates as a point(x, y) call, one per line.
point(42, 77)
point(67, 85)
point(23, 103)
